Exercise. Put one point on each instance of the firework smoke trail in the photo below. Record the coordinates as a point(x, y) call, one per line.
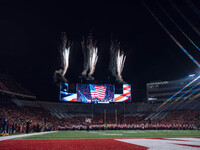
point(86, 55)
point(194, 8)
point(177, 25)
point(186, 19)
point(173, 38)
point(187, 91)
point(57, 75)
point(113, 59)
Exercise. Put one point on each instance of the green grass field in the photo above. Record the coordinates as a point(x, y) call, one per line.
point(116, 134)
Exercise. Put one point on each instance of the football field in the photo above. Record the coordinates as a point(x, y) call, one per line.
point(116, 134)
point(118, 139)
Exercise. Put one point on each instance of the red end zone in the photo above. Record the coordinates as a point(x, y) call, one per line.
point(70, 144)
point(183, 143)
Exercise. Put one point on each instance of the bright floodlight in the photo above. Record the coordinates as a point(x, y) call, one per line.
point(191, 75)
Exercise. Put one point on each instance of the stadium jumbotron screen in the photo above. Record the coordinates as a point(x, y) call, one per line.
point(94, 93)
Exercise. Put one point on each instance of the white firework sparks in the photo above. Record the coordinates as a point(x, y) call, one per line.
point(65, 60)
point(120, 64)
point(113, 60)
point(117, 60)
point(86, 54)
point(93, 60)
point(90, 57)
point(64, 51)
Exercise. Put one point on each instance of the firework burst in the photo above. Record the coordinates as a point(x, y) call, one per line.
point(90, 57)
point(117, 59)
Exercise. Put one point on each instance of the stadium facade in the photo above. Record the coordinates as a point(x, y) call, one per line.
point(182, 89)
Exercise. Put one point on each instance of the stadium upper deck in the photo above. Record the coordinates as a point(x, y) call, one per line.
point(9, 86)
point(182, 89)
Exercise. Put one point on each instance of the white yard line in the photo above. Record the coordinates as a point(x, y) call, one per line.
point(166, 143)
point(23, 135)
point(100, 133)
point(111, 134)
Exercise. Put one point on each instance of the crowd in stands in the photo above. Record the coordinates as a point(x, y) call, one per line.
point(17, 119)
point(26, 116)
point(34, 116)
point(185, 120)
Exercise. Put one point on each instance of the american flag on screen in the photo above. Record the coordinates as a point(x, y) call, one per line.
point(64, 95)
point(126, 96)
point(97, 91)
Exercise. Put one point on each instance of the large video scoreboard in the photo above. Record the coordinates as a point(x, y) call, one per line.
point(95, 93)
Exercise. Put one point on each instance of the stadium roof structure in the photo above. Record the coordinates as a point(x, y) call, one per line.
point(9, 86)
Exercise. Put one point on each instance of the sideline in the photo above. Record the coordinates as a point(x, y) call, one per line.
point(23, 135)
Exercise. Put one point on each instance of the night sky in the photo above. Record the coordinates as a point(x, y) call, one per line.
point(30, 39)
